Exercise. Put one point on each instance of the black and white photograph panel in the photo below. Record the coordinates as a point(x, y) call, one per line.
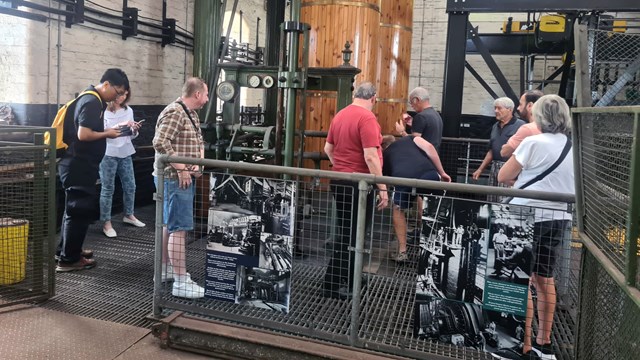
point(503, 333)
point(510, 253)
point(235, 193)
point(275, 252)
point(234, 233)
point(451, 250)
point(263, 288)
point(278, 206)
point(450, 322)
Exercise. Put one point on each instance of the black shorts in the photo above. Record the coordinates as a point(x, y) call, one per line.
point(548, 237)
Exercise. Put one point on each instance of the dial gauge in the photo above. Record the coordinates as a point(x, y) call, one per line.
point(254, 81)
point(227, 90)
point(268, 81)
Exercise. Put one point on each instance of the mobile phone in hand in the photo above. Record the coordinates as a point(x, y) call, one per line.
point(125, 130)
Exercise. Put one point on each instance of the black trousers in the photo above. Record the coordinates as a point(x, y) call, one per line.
point(341, 265)
point(78, 179)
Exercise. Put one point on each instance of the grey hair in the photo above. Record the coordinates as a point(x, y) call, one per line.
point(552, 115)
point(505, 102)
point(365, 91)
point(421, 93)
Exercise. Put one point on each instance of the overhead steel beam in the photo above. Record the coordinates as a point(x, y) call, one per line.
point(491, 63)
point(514, 44)
point(506, 6)
point(480, 80)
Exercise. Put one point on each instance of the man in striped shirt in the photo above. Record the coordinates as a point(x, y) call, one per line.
point(178, 134)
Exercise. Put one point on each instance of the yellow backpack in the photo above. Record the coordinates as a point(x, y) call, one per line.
point(58, 122)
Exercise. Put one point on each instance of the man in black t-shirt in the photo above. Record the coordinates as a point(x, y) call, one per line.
point(414, 158)
point(426, 123)
point(86, 136)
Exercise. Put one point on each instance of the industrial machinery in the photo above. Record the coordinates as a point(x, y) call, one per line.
point(271, 131)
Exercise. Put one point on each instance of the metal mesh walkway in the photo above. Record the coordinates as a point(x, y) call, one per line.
point(120, 288)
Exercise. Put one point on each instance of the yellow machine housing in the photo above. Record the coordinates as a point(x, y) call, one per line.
point(552, 28)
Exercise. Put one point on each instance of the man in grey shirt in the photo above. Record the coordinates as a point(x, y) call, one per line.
point(502, 130)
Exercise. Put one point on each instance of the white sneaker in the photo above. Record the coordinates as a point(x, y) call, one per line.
point(186, 288)
point(167, 273)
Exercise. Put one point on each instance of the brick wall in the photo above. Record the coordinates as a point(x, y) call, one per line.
point(28, 50)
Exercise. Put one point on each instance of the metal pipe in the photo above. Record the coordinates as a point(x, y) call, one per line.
point(257, 32)
point(292, 61)
point(373, 179)
point(240, 35)
point(58, 54)
point(361, 222)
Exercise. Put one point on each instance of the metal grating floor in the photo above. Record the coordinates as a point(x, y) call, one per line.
point(120, 290)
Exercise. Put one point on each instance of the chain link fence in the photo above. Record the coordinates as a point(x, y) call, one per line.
point(27, 215)
point(614, 64)
point(605, 167)
point(609, 318)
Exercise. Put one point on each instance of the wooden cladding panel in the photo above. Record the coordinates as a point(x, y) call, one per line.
point(333, 23)
point(394, 56)
point(397, 12)
point(321, 105)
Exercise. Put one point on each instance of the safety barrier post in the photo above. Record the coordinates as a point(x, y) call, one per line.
point(633, 219)
point(157, 263)
point(363, 189)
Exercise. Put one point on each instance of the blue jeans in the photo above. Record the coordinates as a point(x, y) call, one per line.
point(123, 167)
point(177, 205)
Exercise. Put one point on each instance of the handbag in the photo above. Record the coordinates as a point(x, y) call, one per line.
point(563, 155)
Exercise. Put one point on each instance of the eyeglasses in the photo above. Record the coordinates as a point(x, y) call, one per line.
point(119, 93)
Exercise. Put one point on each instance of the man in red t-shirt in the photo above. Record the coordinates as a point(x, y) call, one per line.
point(353, 146)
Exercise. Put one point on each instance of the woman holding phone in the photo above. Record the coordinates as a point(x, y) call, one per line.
point(117, 161)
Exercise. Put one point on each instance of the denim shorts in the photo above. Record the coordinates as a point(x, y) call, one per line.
point(178, 205)
point(403, 196)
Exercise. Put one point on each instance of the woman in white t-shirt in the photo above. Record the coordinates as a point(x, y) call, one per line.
point(117, 161)
point(552, 221)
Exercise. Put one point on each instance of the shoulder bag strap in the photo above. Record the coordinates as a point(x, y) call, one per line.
point(189, 115)
point(563, 155)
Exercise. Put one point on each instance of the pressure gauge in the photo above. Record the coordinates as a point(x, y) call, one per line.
point(268, 81)
point(227, 90)
point(254, 81)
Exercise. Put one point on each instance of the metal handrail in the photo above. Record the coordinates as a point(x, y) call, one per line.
point(370, 179)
